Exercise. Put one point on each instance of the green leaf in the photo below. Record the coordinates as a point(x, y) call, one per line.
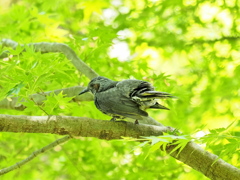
point(15, 90)
point(180, 146)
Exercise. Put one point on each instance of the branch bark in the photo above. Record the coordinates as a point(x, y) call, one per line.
point(192, 154)
point(77, 126)
point(205, 162)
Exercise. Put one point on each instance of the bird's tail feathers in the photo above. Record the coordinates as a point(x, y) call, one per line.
point(156, 94)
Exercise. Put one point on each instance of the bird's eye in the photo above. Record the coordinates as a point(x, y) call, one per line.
point(95, 86)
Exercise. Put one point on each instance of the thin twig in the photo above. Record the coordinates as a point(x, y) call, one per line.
point(35, 154)
point(39, 106)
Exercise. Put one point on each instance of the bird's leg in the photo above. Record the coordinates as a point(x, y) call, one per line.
point(136, 121)
point(113, 119)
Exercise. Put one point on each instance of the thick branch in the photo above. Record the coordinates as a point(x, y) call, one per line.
point(45, 47)
point(203, 161)
point(192, 154)
point(77, 126)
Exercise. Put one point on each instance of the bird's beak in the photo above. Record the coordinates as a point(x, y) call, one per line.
point(84, 91)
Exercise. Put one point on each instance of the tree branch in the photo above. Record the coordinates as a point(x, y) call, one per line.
point(203, 161)
point(192, 154)
point(211, 41)
point(12, 103)
point(77, 126)
point(45, 47)
point(35, 154)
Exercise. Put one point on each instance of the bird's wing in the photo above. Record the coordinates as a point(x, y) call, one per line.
point(131, 87)
point(113, 102)
point(142, 93)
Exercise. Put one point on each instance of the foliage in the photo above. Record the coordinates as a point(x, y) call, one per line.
point(187, 48)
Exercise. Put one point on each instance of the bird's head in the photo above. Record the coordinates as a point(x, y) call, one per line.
point(99, 84)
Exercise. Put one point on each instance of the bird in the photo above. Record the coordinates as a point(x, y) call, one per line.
point(125, 99)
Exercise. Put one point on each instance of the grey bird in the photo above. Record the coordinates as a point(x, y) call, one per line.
point(125, 99)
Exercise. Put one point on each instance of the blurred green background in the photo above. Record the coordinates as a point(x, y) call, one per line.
point(188, 48)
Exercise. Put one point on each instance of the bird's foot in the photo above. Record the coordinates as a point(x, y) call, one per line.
point(113, 119)
point(136, 121)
